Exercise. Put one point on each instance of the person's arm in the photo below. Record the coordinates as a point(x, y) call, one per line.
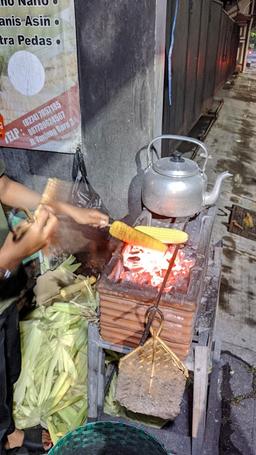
point(81, 215)
point(17, 195)
point(37, 237)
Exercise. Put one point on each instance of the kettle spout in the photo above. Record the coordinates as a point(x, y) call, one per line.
point(212, 197)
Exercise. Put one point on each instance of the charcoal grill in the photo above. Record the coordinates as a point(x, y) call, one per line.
point(123, 304)
point(190, 313)
point(202, 359)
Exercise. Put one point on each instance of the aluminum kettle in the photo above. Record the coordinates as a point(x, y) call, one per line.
point(176, 186)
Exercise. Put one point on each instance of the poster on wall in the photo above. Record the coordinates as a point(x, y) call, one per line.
point(39, 93)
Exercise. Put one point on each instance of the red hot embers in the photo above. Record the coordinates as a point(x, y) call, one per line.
point(148, 267)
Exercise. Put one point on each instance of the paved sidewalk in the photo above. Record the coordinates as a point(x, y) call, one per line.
point(238, 391)
point(232, 145)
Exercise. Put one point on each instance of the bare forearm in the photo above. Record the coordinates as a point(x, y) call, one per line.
point(62, 208)
point(8, 259)
point(17, 195)
point(81, 215)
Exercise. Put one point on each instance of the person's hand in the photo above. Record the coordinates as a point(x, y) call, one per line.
point(37, 237)
point(88, 216)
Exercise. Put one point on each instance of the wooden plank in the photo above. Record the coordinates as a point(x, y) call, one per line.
point(199, 397)
point(101, 381)
point(93, 370)
point(213, 421)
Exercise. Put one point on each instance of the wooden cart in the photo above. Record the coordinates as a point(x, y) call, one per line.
point(203, 361)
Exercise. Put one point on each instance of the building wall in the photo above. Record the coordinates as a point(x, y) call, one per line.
point(121, 61)
point(245, 7)
point(204, 56)
point(122, 48)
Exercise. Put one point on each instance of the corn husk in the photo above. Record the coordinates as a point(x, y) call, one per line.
point(52, 387)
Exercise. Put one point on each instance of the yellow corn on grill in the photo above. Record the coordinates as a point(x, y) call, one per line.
point(147, 236)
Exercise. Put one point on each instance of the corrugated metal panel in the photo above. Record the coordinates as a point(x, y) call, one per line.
point(201, 60)
point(174, 113)
point(215, 20)
point(191, 62)
point(204, 56)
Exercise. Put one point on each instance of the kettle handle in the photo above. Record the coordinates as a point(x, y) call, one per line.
point(178, 138)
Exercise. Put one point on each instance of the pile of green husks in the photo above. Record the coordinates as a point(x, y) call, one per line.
point(52, 387)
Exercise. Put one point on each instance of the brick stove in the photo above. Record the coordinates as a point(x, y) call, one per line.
point(123, 303)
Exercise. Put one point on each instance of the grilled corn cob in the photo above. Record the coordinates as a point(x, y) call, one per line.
point(132, 236)
point(49, 195)
point(165, 235)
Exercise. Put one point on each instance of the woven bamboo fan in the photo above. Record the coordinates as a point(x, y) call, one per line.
point(152, 379)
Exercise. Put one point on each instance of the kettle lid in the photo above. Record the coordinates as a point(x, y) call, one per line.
point(176, 166)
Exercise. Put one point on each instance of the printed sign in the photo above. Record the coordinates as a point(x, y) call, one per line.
point(39, 94)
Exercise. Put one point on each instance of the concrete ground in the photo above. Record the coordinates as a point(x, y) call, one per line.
point(232, 146)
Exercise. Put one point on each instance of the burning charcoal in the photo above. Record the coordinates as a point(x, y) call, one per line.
point(143, 266)
point(127, 276)
point(116, 272)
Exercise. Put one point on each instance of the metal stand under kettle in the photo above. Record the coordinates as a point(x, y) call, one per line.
point(176, 186)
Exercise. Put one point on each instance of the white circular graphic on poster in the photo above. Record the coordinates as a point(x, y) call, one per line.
point(26, 73)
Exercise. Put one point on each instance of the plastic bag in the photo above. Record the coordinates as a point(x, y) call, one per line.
point(83, 194)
